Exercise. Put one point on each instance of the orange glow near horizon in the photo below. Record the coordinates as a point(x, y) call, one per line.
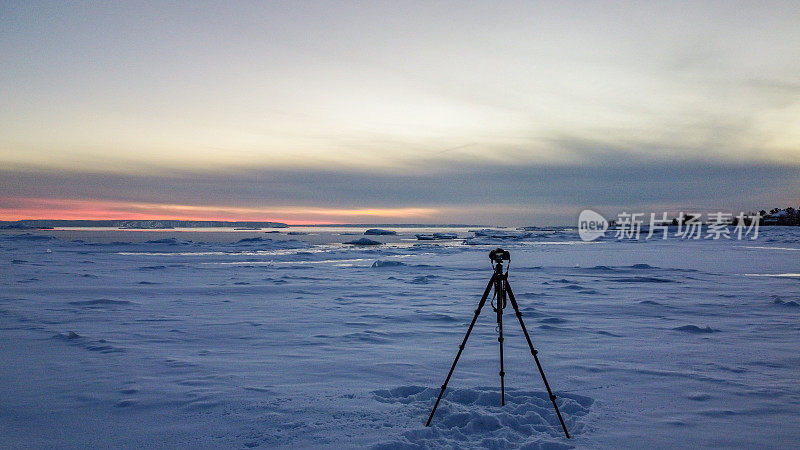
point(69, 209)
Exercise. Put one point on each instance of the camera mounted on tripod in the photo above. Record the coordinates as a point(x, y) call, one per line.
point(499, 255)
point(502, 290)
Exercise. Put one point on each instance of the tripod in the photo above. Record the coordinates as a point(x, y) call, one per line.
point(499, 281)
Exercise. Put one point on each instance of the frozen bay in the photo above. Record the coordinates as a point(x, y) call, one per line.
point(170, 339)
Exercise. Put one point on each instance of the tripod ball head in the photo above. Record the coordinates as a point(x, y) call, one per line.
point(499, 255)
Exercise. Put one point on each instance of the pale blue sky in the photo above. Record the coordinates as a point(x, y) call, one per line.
point(438, 111)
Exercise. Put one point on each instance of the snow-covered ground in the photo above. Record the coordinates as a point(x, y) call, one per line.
point(281, 343)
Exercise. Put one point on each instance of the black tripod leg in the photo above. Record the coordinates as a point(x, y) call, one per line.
point(534, 352)
point(461, 347)
point(500, 303)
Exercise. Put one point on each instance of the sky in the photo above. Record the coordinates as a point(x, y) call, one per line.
point(507, 113)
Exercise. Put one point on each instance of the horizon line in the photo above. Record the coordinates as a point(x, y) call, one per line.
point(287, 224)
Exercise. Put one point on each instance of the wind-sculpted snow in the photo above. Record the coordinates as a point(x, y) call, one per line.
point(473, 418)
point(507, 237)
point(92, 345)
point(694, 329)
point(787, 303)
point(363, 241)
point(101, 302)
point(261, 242)
point(26, 237)
point(278, 341)
point(379, 264)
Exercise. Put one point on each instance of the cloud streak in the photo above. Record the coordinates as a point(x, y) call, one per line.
point(65, 208)
point(520, 194)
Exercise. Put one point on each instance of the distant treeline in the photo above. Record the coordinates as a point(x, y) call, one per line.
point(776, 216)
